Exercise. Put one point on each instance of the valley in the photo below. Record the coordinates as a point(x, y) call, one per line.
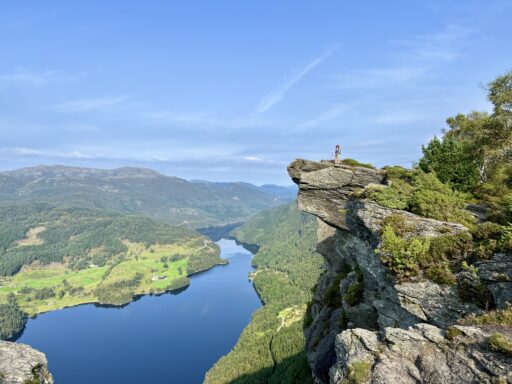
point(271, 347)
point(70, 236)
point(172, 337)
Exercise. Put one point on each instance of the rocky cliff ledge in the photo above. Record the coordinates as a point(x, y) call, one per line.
point(365, 326)
point(21, 364)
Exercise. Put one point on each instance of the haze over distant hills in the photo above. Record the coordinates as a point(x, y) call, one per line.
point(142, 191)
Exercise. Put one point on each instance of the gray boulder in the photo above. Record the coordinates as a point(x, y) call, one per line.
point(21, 364)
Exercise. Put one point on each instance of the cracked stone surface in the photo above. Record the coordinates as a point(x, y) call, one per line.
point(22, 364)
point(398, 329)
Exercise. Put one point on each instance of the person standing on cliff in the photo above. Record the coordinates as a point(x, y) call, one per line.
point(337, 153)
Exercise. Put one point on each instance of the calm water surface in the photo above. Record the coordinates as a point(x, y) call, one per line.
point(173, 338)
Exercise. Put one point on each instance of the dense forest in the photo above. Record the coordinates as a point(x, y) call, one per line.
point(271, 347)
point(47, 233)
point(12, 318)
point(52, 257)
point(465, 177)
point(140, 191)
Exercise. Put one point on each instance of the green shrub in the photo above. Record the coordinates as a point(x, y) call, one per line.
point(435, 258)
point(355, 163)
point(436, 200)
point(474, 291)
point(450, 247)
point(354, 294)
point(401, 255)
point(491, 238)
point(500, 343)
point(332, 296)
point(399, 173)
point(453, 162)
point(469, 268)
point(422, 194)
point(441, 274)
point(398, 223)
point(496, 193)
point(506, 238)
point(487, 230)
point(308, 317)
point(397, 195)
point(499, 317)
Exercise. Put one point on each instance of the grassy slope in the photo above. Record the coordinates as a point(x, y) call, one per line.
point(81, 251)
point(271, 347)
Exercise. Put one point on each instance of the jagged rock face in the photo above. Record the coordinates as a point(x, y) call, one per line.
point(420, 354)
point(396, 329)
point(496, 273)
point(21, 364)
point(365, 217)
point(325, 188)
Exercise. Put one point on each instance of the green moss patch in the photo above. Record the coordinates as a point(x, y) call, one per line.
point(355, 163)
point(499, 317)
point(500, 343)
point(358, 372)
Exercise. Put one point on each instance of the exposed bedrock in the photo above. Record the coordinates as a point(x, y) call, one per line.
point(21, 364)
point(366, 323)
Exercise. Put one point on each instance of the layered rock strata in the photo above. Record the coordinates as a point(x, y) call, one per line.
point(366, 326)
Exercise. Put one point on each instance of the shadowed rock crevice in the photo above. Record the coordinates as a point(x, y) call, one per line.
point(370, 327)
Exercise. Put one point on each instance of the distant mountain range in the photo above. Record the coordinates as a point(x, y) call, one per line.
point(142, 191)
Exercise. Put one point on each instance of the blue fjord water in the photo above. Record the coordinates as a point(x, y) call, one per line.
point(173, 338)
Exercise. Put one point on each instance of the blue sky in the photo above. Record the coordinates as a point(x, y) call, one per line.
point(235, 90)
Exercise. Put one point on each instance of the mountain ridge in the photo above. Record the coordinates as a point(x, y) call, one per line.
point(139, 191)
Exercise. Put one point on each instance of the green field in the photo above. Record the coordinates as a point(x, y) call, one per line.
point(159, 268)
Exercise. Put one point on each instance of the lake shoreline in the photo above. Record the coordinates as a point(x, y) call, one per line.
point(223, 302)
point(136, 297)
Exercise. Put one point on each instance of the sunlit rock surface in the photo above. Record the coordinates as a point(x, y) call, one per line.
point(21, 364)
point(396, 332)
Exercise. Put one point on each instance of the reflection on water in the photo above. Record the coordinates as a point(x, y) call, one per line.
point(166, 339)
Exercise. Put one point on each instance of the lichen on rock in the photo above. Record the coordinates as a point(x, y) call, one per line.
point(379, 328)
point(21, 364)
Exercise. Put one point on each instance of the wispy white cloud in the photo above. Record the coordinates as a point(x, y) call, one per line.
point(146, 152)
point(253, 158)
point(381, 77)
point(276, 95)
point(33, 152)
point(200, 120)
point(445, 45)
point(326, 116)
point(83, 105)
point(413, 58)
point(36, 78)
point(261, 160)
point(26, 151)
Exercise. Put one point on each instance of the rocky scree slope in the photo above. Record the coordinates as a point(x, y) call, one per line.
point(365, 325)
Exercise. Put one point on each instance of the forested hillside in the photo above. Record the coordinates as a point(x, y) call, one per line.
point(77, 235)
point(53, 257)
point(271, 347)
point(141, 191)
